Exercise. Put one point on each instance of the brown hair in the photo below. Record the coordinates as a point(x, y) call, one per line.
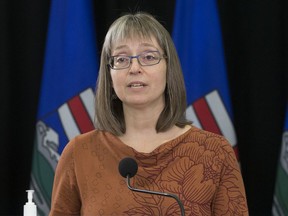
point(108, 109)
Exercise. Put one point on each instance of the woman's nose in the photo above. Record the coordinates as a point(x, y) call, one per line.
point(135, 67)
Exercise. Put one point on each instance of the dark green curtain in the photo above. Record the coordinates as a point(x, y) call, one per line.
point(255, 40)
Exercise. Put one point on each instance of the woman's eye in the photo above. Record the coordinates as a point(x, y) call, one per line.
point(149, 57)
point(121, 59)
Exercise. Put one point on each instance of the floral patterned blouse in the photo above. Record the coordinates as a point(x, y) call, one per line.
point(198, 166)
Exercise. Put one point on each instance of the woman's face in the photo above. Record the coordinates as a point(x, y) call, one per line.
point(139, 86)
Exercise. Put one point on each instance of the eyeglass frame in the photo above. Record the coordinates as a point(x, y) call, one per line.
point(162, 56)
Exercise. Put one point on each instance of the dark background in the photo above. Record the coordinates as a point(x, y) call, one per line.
point(255, 42)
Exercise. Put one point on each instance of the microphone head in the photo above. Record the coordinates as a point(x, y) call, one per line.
point(128, 166)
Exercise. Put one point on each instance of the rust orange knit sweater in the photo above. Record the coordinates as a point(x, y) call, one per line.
point(198, 166)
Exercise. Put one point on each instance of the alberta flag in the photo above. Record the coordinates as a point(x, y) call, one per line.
point(198, 40)
point(66, 104)
point(280, 205)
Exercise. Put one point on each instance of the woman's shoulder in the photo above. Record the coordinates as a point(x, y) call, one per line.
point(90, 136)
point(206, 139)
point(199, 134)
point(87, 139)
point(209, 143)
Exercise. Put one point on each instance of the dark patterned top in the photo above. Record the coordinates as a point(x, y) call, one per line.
point(198, 166)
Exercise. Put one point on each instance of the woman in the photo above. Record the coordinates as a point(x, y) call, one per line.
point(140, 113)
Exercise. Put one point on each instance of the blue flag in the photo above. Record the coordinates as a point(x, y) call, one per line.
point(198, 40)
point(280, 205)
point(66, 105)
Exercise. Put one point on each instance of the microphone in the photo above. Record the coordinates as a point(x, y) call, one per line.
point(128, 168)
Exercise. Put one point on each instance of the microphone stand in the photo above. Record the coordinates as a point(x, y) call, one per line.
point(157, 193)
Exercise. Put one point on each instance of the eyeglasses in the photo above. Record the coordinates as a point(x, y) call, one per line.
point(149, 58)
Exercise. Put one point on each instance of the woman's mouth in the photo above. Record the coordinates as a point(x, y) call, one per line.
point(136, 85)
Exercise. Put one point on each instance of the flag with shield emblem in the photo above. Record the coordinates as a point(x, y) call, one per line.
point(280, 205)
point(198, 40)
point(66, 104)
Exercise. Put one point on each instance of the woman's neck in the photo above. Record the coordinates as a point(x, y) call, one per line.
point(141, 131)
point(141, 119)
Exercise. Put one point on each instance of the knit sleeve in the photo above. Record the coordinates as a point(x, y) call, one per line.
point(230, 198)
point(65, 194)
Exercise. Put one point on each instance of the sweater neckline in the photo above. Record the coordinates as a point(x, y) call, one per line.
point(164, 147)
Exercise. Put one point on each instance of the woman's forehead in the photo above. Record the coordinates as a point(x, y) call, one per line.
point(137, 41)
